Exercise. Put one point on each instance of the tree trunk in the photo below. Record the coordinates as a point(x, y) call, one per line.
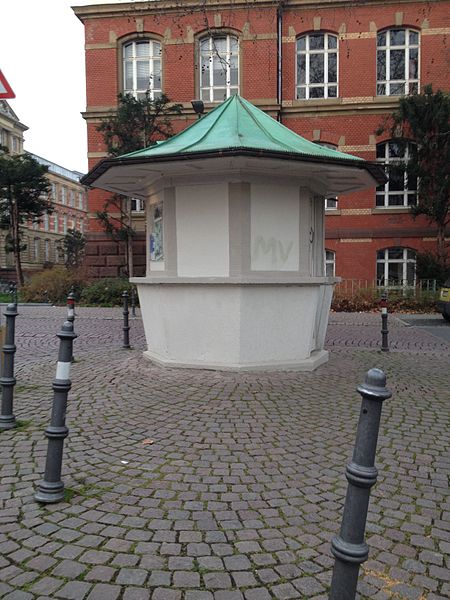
point(441, 244)
point(16, 240)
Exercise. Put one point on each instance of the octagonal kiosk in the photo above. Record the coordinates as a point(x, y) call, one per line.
point(235, 236)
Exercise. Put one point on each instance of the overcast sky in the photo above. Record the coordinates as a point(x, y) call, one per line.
point(42, 58)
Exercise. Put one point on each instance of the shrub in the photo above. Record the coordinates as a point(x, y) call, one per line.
point(366, 300)
point(106, 292)
point(52, 285)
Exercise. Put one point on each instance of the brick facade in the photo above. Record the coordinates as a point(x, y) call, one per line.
point(357, 229)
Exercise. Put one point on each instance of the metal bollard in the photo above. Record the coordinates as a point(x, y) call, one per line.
point(71, 307)
point(7, 380)
point(13, 292)
point(133, 303)
point(126, 325)
point(51, 488)
point(71, 313)
point(384, 323)
point(349, 547)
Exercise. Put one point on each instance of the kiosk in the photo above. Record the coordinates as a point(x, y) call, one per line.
point(235, 235)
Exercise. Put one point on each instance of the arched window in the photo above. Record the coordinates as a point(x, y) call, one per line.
point(142, 68)
point(399, 190)
point(219, 67)
point(317, 66)
point(396, 267)
point(397, 62)
point(330, 263)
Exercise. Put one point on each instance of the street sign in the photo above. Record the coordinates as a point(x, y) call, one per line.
point(5, 88)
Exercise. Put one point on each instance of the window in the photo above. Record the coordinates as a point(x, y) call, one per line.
point(397, 62)
point(63, 194)
point(330, 263)
point(54, 193)
point(399, 190)
point(55, 223)
point(142, 69)
point(47, 250)
point(137, 205)
point(81, 226)
point(396, 267)
point(46, 221)
point(72, 198)
point(80, 200)
point(36, 250)
point(317, 68)
point(219, 68)
point(64, 224)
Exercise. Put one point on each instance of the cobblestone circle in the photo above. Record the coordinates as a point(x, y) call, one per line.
point(204, 485)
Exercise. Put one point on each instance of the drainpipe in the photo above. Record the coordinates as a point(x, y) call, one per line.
point(280, 58)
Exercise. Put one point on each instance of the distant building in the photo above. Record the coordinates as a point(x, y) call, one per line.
point(330, 71)
point(43, 238)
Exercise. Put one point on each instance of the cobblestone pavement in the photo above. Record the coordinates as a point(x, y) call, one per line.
point(200, 485)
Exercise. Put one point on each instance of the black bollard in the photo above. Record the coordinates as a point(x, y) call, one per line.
point(13, 292)
point(51, 488)
point(71, 313)
point(133, 303)
point(7, 380)
point(349, 547)
point(384, 323)
point(126, 325)
point(71, 307)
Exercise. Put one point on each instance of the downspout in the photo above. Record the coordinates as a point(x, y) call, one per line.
point(280, 59)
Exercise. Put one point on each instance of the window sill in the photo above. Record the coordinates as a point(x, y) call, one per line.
point(332, 212)
point(390, 210)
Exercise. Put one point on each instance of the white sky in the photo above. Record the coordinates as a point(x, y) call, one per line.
point(42, 58)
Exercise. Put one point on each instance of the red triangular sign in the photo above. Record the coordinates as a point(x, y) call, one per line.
point(5, 88)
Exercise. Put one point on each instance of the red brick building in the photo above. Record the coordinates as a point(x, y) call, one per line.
point(330, 70)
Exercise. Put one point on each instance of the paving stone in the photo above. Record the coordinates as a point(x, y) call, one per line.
point(101, 591)
point(101, 573)
point(166, 594)
point(68, 569)
point(136, 593)
point(47, 585)
point(217, 580)
point(257, 594)
point(74, 590)
point(186, 579)
point(131, 577)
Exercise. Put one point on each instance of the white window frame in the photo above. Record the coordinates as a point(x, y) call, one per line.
point(405, 260)
point(137, 205)
point(304, 90)
point(64, 224)
point(80, 200)
point(55, 222)
point(383, 192)
point(387, 86)
point(46, 221)
point(208, 52)
point(154, 62)
point(330, 260)
point(63, 192)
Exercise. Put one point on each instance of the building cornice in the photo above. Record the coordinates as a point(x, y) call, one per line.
point(149, 7)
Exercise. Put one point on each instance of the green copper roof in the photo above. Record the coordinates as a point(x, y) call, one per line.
point(237, 124)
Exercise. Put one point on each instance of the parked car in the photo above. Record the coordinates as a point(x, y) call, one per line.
point(443, 304)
